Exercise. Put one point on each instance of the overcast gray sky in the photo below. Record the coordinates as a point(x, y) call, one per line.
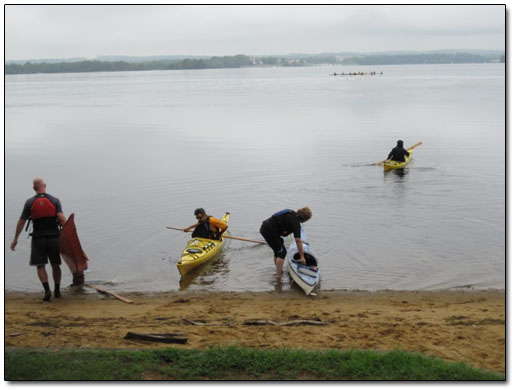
point(33, 31)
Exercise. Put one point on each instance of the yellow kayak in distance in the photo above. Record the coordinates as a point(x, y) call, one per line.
point(199, 251)
point(391, 164)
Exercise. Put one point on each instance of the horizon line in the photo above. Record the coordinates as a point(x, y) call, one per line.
point(256, 55)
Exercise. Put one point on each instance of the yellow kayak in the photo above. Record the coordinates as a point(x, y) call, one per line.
point(200, 250)
point(391, 164)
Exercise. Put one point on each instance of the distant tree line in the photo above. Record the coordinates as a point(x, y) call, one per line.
point(236, 61)
point(401, 59)
point(69, 67)
point(239, 61)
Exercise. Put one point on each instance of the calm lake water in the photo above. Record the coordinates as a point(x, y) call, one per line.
point(133, 152)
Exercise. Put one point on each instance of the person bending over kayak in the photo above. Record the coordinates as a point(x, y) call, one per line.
point(398, 153)
point(282, 224)
point(207, 226)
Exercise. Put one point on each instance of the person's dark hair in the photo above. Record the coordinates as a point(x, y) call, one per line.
point(304, 214)
point(399, 142)
point(199, 211)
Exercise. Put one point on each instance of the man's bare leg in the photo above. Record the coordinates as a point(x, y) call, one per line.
point(41, 273)
point(279, 264)
point(56, 272)
point(43, 277)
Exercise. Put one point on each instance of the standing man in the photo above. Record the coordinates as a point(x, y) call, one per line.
point(45, 212)
point(207, 226)
point(282, 224)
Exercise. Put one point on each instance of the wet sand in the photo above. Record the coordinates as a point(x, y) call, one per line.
point(464, 326)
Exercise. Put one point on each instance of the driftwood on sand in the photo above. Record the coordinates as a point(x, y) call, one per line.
point(290, 323)
point(187, 321)
point(259, 322)
point(191, 322)
point(169, 338)
point(103, 291)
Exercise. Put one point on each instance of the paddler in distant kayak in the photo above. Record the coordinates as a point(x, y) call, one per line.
point(45, 212)
point(398, 153)
point(207, 226)
point(281, 224)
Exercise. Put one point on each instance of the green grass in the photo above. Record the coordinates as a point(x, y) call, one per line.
point(233, 363)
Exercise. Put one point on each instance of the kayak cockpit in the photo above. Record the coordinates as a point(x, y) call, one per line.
point(310, 259)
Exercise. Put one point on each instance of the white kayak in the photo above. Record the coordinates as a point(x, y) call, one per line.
point(306, 276)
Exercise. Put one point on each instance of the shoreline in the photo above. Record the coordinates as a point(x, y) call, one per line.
point(294, 289)
point(458, 325)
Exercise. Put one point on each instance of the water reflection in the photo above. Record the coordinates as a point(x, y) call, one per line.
point(206, 274)
point(396, 173)
point(397, 185)
point(400, 173)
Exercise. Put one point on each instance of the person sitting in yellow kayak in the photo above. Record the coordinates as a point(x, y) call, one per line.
point(281, 224)
point(207, 226)
point(398, 153)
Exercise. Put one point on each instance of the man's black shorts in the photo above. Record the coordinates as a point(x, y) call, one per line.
point(44, 248)
point(273, 239)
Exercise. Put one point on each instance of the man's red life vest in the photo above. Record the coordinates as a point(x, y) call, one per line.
point(42, 208)
point(43, 214)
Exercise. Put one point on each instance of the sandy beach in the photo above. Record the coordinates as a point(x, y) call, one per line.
point(464, 326)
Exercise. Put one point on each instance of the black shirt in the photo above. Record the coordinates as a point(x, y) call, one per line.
point(286, 223)
point(398, 154)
